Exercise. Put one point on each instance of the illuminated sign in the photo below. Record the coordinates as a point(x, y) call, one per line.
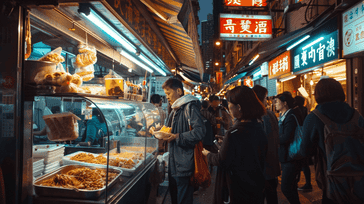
point(318, 50)
point(243, 27)
point(280, 65)
point(218, 77)
point(248, 82)
point(246, 3)
point(353, 29)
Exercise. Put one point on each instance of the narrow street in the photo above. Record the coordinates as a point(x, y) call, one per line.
point(205, 197)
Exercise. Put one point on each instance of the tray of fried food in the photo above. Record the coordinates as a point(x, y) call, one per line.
point(76, 181)
point(128, 166)
point(124, 154)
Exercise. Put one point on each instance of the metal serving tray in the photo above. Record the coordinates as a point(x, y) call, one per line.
point(71, 193)
point(126, 172)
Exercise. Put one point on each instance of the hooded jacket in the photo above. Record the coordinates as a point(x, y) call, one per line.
point(181, 150)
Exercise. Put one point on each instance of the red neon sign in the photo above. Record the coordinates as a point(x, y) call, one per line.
point(247, 3)
point(245, 27)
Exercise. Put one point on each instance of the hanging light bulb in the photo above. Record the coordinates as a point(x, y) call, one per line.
point(311, 82)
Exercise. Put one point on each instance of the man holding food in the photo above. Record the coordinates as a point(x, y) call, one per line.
point(187, 129)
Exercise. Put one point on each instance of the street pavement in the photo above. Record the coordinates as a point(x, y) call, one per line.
point(205, 196)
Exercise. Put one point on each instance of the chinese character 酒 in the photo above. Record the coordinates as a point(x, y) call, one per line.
point(262, 26)
point(230, 25)
point(245, 26)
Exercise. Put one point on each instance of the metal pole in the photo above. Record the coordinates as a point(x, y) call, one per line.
point(150, 87)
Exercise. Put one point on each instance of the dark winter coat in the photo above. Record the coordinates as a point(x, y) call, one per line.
point(241, 162)
point(272, 168)
point(287, 130)
point(226, 118)
point(313, 135)
point(181, 150)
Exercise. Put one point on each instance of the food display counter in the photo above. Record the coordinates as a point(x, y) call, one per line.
point(74, 171)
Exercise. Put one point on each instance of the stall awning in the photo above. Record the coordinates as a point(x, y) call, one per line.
point(176, 20)
point(238, 76)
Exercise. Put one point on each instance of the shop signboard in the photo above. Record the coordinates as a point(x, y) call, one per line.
point(318, 50)
point(248, 82)
point(280, 65)
point(353, 29)
point(218, 77)
point(242, 27)
point(246, 3)
point(264, 69)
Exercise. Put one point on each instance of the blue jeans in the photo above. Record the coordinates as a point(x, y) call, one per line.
point(290, 175)
point(180, 189)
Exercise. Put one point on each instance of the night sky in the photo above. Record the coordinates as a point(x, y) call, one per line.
point(205, 8)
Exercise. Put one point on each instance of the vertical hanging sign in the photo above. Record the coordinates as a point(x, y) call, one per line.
point(218, 77)
point(248, 82)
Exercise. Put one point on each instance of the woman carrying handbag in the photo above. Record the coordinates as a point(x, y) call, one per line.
point(288, 122)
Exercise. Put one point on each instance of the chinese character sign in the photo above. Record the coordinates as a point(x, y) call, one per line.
point(245, 27)
point(246, 3)
point(280, 65)
point(308, 55)
point(218, 77)
point(248, 82)
point(353, 29)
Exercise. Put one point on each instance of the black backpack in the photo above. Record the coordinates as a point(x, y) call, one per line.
point(343, 175)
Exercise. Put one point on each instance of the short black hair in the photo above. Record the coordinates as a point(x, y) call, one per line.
point(299, 101)
point(205, 104)
point(155, 98)
point(251, 107)
point(260, 91)
point(289, 93)
point(225, 103)
point(328, 90)
point(286, 97)
point(174, 84)
point(214, 98)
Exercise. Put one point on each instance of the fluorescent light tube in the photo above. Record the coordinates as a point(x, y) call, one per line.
point(152, 64)
point(314, 42)
point(184, 77)
point(251, 62)
point(288, 78)
point(103, 25)
point(125, 54)
point(298, 42)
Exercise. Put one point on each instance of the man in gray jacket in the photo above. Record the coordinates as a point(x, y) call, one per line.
point(182, 140)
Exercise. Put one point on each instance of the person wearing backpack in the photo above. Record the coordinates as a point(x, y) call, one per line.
point(210, 122)
point(339, 155)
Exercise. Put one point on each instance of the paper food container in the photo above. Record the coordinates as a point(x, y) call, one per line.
point(62, 126)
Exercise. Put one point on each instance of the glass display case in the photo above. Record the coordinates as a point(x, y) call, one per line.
point(112, 135)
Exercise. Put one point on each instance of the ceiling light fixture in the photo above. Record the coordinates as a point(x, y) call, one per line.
point(131, 58)
point(298, 42)
point(103, 25)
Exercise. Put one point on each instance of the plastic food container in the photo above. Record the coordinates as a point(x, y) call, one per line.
point(62, 126)
point(114, 86)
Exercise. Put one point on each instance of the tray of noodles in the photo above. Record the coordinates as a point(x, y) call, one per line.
point(76, 181)
point(128, 166)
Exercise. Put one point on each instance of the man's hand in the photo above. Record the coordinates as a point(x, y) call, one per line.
point(166, 136)
point(205, 152)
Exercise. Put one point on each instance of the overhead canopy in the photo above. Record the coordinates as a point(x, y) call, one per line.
point(176, 21)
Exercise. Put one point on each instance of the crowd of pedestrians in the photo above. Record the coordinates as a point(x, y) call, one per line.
point(255, 144)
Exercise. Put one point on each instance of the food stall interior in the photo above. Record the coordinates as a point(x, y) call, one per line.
point(80, 134)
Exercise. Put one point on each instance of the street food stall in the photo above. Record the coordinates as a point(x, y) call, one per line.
point(75, 121)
